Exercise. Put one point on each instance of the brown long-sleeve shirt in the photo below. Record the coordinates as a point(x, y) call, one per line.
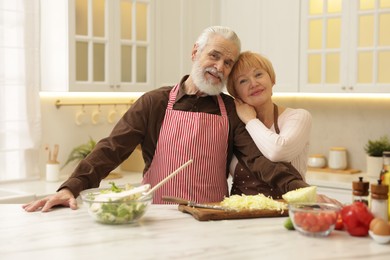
point(141, 125)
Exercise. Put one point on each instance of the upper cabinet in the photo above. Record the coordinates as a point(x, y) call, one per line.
point(270, 28)
point(178, 23)
point(345, 46)
point(137, 45)
point(97, 45)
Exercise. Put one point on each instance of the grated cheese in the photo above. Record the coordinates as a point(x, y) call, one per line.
point(253, 202)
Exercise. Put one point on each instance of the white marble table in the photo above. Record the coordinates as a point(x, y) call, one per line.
point(166, 233)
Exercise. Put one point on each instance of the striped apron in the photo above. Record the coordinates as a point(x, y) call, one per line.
point(188, 135)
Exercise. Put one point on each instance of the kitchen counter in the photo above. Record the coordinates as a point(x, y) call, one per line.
point(166, 233)
point(41, 188)
point(336, 180)
point(327, 183)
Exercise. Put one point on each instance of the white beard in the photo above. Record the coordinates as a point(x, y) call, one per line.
point(202, 83)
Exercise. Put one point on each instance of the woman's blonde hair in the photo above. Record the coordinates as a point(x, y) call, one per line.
point(248, 60)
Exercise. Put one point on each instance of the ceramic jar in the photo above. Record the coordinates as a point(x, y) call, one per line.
point(316, 161)
point(337, 158)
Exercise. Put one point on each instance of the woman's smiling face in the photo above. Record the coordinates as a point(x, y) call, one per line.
point(253, 86)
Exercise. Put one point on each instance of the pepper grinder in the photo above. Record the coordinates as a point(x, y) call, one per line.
point(360, 191)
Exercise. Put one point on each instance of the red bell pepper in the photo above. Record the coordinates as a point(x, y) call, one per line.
point(356, 218)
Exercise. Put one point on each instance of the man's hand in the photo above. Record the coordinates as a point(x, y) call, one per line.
point(63, 197)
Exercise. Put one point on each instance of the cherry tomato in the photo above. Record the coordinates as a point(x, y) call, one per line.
point(314, 222)
point(339, 223)
point(356, 218)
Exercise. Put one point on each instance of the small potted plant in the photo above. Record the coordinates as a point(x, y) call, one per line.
point(374, 150)
point(80, 152)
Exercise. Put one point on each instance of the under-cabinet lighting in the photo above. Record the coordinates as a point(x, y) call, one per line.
point(126, 95)
point(335, 95)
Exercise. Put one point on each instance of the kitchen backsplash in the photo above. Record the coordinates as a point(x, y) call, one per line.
point(337, 121)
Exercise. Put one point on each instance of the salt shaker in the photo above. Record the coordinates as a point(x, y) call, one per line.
point(379, 200)
point(337, 158)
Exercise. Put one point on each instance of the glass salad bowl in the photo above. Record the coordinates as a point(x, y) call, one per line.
point(314, 219)
point(118, 204)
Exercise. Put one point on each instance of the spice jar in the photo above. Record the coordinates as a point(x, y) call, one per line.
point(379, 200)
point(337, 158)
point(360, 191)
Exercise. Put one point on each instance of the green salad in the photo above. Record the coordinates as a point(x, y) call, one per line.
point(121, 211)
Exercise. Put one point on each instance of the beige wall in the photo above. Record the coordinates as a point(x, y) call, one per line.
point(348, 122)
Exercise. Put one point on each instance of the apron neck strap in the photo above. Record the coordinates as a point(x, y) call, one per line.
point(175, 90)
point(276, 115)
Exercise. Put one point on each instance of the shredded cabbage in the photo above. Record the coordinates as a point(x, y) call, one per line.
point(253, 202)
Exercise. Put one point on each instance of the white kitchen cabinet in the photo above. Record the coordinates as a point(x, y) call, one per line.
point(270, 28)
point(345, 46)
point(97, 45)
point(178, 24)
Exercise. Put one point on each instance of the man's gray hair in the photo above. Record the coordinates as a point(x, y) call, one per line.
point(223, 31)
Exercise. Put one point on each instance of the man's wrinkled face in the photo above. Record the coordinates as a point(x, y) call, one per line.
point(213, 64)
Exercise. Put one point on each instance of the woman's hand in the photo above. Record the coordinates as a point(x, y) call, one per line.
point(62, 198)
point(244, 111)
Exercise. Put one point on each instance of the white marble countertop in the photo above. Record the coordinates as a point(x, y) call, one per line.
point(166, 233)
point(41, 188)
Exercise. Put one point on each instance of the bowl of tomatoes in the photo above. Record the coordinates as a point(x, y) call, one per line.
point(314, 219)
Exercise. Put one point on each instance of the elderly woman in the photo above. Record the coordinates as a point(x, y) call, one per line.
point(280, 133)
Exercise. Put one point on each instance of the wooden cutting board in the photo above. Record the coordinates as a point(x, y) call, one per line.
point(203, 214)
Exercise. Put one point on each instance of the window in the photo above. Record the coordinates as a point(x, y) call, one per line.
point(19, 89)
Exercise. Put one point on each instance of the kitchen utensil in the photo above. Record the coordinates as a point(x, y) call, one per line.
point(158, 185)
point(113, 196)
point(144, 189)
point(192, 203)
point(55, 153)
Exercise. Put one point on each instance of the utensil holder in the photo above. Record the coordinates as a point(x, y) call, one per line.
point(52, 172)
